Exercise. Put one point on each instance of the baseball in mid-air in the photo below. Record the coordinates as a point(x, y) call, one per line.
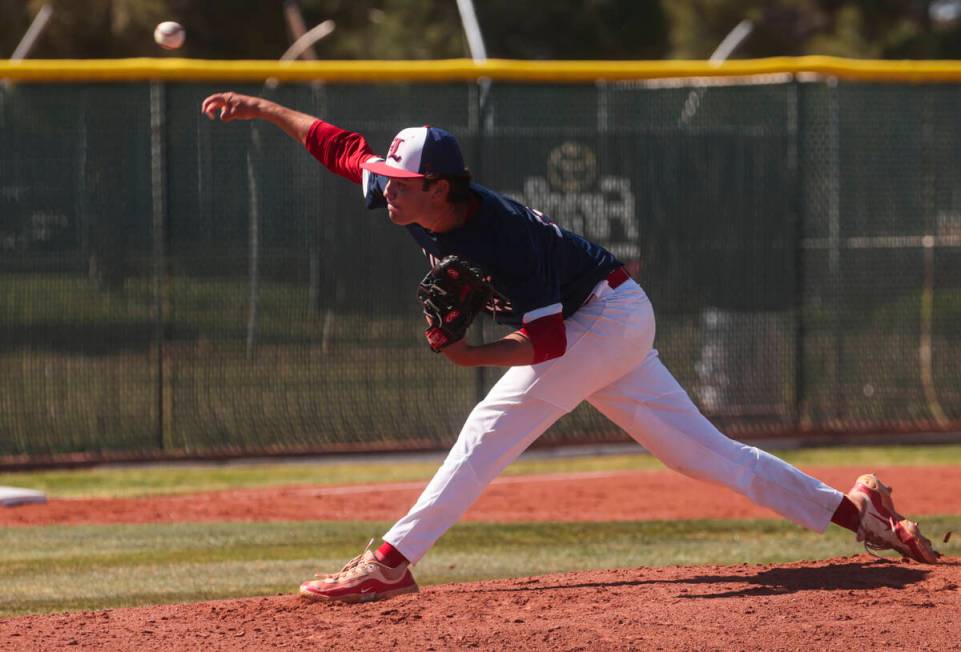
point(169, 35)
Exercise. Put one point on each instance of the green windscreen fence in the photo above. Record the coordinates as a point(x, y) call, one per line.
point(174, 285)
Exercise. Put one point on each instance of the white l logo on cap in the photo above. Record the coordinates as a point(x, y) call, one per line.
point(404, 154)
point(419, 152)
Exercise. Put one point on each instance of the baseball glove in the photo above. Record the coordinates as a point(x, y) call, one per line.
point(452, 294)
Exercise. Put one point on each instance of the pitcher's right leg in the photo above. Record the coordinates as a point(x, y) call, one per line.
point(656, 411)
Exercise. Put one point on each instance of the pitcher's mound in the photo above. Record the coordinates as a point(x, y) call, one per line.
point(837, 604)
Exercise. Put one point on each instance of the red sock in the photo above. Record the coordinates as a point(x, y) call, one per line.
point(388, 555)
point(847, 515)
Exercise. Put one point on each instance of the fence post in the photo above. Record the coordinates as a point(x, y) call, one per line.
point(159, 190)
point(839, 401)
point(253, 239)
point(481, 126)
point(795, 128)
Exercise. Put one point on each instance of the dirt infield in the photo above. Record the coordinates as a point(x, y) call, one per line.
point(624, 496)
point(838, 604)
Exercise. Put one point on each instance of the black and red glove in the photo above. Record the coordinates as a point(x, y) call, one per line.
point(452, 294)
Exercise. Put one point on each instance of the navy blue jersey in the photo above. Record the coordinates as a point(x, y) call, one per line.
point(541, 268)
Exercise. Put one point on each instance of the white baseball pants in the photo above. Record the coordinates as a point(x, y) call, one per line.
point(610, 362)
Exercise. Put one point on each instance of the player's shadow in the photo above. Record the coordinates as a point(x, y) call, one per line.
point(851, 576)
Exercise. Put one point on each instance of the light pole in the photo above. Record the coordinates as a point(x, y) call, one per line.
point(33, 33)
point(724, 49)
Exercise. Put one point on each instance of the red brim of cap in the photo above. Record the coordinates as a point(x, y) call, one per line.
point(380, 167)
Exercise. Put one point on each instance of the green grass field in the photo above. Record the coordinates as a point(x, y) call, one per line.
point(61, 568)
point(146, 480)
point(54, 569)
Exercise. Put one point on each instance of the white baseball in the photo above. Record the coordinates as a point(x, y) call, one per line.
point(169, 35)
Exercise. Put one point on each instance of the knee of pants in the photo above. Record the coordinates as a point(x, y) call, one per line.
point(479, 426)
point(734, 467)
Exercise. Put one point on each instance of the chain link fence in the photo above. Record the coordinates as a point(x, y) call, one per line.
point(169, 285)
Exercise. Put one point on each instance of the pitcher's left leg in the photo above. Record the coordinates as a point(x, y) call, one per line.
point(496, 432)
point(498, 429)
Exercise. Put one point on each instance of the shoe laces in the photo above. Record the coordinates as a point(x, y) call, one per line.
point(872, 545)
point(353, 563)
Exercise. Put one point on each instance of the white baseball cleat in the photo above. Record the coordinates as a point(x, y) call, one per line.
point(882, 528)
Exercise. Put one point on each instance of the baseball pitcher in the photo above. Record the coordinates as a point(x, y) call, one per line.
point(583, 331)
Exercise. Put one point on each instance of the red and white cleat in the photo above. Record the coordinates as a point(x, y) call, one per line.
point(882, 528)
point(363, 579)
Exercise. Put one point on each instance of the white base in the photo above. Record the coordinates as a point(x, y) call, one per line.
point(13, 496)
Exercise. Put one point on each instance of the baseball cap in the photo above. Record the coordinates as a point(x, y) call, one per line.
point(417, 152)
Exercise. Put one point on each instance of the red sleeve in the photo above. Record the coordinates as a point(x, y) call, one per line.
point(548, 337)
point(339, 150)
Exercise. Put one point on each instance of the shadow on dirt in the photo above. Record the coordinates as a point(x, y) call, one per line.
point(853, 576)
point(849, 576)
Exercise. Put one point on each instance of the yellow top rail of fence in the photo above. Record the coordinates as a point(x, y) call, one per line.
point(447, 70)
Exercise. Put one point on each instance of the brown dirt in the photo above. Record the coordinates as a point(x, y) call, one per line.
point(838, 604)
point(627, 496)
